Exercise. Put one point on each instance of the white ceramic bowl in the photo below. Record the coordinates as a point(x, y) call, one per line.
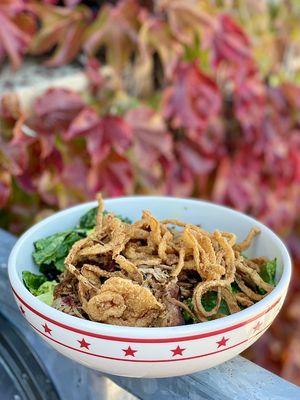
point(152, 352)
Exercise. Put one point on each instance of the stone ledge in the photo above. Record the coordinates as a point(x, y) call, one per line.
point(33, 78)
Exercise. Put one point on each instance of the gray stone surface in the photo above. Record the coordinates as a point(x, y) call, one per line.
point(238, 379)
point(32, 74)
point(33, 79)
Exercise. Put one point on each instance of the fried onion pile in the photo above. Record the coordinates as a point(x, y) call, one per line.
point(150, 272)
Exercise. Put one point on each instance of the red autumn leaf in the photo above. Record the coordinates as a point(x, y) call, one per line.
point(13, 7)
point(237, 182)
point(89, 124)
point(93, 73)
point(192, 158)
point(229, 43)
point(103, 134)
point(61, 28)
point(5, 187)
point(56, 108)
point(27, 22)
point(52, 2)
point(291, 93)
point(34, 173)
point(155, 39)
point(46, 186)
point(64, 184)
point(279, 211)
point(192, 101)
point(74, 178)
point(114, 133)
point(184, 18)
point(12, 157)
point(213, 141)
point(85, 123)
point(115, 28)
point(10, 108)
point(279, 111)
point(282, 159)
point(179, 181)
point(71, 3)
point(275, 202)
point(14, 38)
point(294, 157)
point(151, 181)
point(151, 140)
point(52, 113)
point(249, 106)
point(113, 177)
point(68, 3)
point(67, 50)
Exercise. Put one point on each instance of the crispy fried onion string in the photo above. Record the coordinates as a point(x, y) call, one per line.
point(125, 271)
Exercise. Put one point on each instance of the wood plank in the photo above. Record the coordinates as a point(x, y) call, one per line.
point(236, 379)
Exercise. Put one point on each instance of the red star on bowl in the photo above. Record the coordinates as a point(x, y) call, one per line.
point(178, 351)
point(129, 352)
point(257, 326)
point(22, 310)
point(84, 344)
point(222, 342)
point(47, 329)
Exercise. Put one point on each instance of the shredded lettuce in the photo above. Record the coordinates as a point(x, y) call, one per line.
point(39, 286)
point(209, 301)
point(45, 292)
point(186, 316)
point(124, 219)
point(50, 252)
point(234, 287)
point(268, 272)
point(33, 281)
point(88, 220)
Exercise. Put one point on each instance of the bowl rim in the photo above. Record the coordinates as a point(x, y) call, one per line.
point(87, 326)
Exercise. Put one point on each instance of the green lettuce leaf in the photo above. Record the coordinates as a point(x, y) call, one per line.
point(88, 220)
point(186, 316)
point(124, 219)
point(33, 281)
point(50, 252)
point(45, 292)
point(209, 301)
point(268, 272)
point(235, 288)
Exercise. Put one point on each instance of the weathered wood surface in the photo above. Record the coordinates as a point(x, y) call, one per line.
point(236, 379)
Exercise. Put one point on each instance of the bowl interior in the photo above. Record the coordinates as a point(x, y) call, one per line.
point(208, 215)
